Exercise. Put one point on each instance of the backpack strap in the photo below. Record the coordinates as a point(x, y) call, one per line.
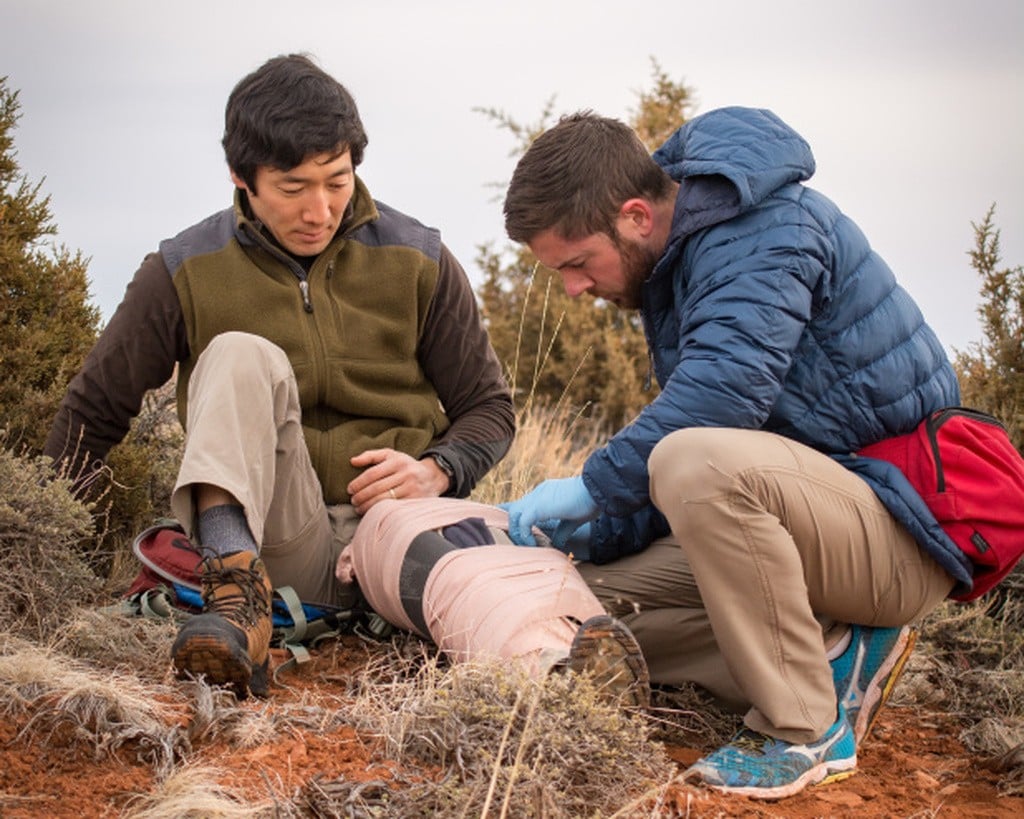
point(162, 602)
point(298, 625)
point(158, 604)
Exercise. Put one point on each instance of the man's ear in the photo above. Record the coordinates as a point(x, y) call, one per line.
point(636, 219)
point(239, 182)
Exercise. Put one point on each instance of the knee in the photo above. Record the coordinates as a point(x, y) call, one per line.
point(702, 462)
point(237, 352)
point(242, 346)
point(688, 461)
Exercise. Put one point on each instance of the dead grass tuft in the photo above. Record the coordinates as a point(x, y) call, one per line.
point(344, 798)
point(68, 702)
point(550, 442)
point(194, 792)
point(42, 574)
point(505, 743)
point(689, 717)
point(971, 664)
point(108, 638)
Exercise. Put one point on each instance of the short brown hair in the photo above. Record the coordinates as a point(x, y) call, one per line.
point(575, 177)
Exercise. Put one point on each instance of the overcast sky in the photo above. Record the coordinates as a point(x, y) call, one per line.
point(914, 110)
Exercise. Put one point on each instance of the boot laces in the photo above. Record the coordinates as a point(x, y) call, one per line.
point(248, 603)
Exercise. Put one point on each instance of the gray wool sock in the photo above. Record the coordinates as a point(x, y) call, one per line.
point(223, 530)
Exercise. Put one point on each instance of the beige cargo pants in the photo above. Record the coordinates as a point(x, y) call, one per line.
point(774, 548)
point(244, 434)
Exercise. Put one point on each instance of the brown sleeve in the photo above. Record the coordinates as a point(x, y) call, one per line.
point(456, 355)
point(136, 352)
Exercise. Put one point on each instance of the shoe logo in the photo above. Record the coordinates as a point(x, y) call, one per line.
point(819, 750)
point(853, 697)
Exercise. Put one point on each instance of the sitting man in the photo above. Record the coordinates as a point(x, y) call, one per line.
point(330, 354)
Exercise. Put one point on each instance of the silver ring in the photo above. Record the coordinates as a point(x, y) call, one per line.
point(393, 495)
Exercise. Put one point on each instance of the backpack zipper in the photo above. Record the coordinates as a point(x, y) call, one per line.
point(937, 419)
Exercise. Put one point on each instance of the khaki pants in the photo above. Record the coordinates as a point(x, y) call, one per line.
point(245, 436)
point(773, 545)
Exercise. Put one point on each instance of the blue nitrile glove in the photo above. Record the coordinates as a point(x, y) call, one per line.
point(563, 501)
point(576, 543)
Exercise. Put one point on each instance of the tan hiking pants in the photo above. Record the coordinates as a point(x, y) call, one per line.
point(244, 434)
point(772, 544)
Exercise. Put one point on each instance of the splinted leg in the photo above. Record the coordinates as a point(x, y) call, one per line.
point(445, 570)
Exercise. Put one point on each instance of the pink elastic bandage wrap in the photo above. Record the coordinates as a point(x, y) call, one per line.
point(495, 601)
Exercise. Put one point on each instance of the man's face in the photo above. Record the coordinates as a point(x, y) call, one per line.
point(302, 207)
point(614, 270)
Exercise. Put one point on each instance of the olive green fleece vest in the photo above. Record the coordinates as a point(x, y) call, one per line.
point(354, 354)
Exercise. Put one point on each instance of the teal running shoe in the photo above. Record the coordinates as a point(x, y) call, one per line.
point(866, 673)
point(763, 767)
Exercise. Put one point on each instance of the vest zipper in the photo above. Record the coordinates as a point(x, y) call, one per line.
point(306, 303)
point(287, 260)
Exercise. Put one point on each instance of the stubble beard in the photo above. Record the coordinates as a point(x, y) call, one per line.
point(637, 265)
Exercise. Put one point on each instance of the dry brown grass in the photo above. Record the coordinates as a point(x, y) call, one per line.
point(550, 442)
point(102, 709)
point(505, 745)
point(508, 745)
point(970, 664)
point(192, 791)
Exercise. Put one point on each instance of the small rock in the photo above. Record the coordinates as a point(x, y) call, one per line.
point(926, 781)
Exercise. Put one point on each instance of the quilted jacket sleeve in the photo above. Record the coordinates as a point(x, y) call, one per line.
point(741, 295)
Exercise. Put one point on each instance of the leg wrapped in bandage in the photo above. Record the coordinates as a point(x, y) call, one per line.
point(493, 600)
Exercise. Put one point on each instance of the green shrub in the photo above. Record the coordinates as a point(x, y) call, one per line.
point(46, 322)
point(43, 573)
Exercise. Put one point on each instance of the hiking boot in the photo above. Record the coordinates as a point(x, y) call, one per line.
point(757, 765)
point(229, 643)
point(866, 673)
point(608, 653)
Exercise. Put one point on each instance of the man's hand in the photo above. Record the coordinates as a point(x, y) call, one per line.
point(564, 502)
point(388, 473)
point(575, 543)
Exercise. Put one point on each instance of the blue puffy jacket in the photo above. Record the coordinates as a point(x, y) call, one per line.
point(769, 310)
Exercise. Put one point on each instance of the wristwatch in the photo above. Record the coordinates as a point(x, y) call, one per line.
point(445, 466)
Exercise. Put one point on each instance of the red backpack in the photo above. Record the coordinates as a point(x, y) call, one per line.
point(964, 467)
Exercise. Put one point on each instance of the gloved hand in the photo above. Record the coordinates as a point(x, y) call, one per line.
point(576, 543)
point(562, 501)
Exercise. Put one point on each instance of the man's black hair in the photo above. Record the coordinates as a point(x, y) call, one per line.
point(285, 111)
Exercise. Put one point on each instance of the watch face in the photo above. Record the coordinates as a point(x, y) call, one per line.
point(446, 467)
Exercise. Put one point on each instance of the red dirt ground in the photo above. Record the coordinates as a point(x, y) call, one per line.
point(913, 766)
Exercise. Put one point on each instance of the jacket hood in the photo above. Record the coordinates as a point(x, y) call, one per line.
point(743, 155)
